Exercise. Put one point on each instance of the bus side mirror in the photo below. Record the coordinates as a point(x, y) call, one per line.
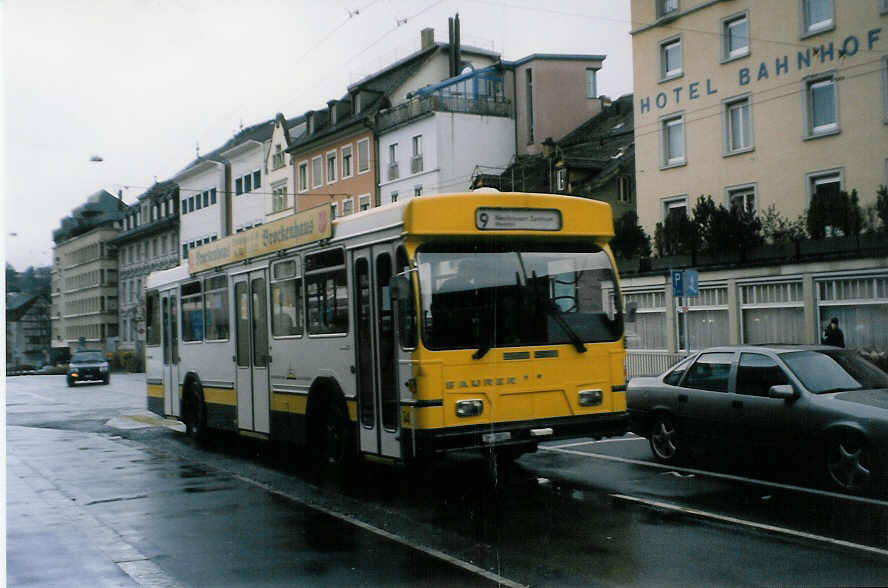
point(631, 310)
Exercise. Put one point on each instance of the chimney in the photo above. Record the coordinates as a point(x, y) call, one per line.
point(450, 67)
point(309, 122)
point(457, 56)
point(427, 38)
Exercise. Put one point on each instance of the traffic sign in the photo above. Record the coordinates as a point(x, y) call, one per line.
point(692, 281)
point(677, 283)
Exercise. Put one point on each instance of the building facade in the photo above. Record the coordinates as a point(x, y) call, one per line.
point(148, 242)
point(85, 275)
point(759, 103)
point(280, 193)
point(27, 329)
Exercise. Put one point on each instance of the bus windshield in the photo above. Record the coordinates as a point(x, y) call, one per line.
point(520, 294)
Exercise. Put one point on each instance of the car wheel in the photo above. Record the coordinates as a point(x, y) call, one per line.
point(107, 379)
point(851, 464)
point(665, 440)
point(70, 382)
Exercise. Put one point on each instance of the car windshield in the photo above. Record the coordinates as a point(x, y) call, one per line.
point(82, 356)
point(834, 371)
point(521, 294)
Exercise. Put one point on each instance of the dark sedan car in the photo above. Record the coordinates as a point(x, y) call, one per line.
point(88, 366)
point(818, 401)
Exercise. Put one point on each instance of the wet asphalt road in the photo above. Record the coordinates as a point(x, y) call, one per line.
point(99, 490)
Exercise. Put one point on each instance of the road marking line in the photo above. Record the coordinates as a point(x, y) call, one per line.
point(847, 497)
point(431, 551)
point(754, 525)
point(581, 443)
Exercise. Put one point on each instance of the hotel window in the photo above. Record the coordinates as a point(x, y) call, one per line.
point(883, 7)
point(317, 172)
point(347, 162)
point(591, 83)
point(416, 161)
point(821, 106)
point(331, 167)
point(817, 16)
point(649, 329)
point(742, 197)
point(303, 177)
point(675, 207)
point(672, 142)
point(363, 156)
point(735, 32)
point(364, 202)
point(665, 7)
point(861, 305)
point(670, 58)
point(737, 125)
point(771, 312)
point(279, 198)
point(826, 182)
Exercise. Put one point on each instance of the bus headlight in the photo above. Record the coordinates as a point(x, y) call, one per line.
point(469, 408)
point(590, 397)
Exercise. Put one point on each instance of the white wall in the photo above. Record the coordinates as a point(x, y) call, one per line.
point(206, 221)
point(249, 207)
point(467, 140)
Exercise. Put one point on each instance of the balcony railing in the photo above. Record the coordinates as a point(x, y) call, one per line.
point(421, 105)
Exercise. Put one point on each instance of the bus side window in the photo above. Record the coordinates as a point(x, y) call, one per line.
point(326, 289)
point(152, 313)
point(407, 304)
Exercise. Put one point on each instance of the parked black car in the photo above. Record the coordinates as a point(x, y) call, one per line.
point(817, 401)
point(88, 366)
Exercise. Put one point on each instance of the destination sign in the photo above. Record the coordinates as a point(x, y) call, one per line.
point(517, 219)
point(303, 227)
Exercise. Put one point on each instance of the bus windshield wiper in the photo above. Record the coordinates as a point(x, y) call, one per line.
point(571, 334)
point(481, 351)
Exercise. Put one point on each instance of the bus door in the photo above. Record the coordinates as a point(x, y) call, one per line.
point(375, 349)
point(251, 349)
point(170, 340)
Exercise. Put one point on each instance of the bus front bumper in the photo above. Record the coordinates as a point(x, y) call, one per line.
point(426, 442)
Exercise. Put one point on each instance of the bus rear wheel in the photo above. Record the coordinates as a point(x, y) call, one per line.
point(332, 441)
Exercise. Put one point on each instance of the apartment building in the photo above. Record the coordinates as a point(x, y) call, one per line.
point(148, 241)
point(338, 159)
point(760, 105)
point(280, 194)
point(85, 275)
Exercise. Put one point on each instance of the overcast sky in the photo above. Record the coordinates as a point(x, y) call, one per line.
point(142, 82)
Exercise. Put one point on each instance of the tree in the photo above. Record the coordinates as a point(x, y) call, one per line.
point(12, 279)
point(834, 215)
point(629, 237)
point(777, 230)
point(726, 230)
point(677, 235)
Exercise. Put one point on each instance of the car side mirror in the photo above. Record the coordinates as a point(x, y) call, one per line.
point(782, 391)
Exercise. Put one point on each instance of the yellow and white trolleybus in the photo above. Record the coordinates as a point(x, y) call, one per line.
point(480, 320)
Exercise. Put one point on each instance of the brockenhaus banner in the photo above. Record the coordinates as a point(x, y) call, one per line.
point(301, 228)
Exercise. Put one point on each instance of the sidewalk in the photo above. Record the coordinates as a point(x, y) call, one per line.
point(53, 541)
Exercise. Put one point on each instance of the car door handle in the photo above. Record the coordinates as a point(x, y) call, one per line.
point(682, 397)
point(737, 403)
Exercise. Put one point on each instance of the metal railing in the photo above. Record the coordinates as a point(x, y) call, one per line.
point(650, 363)
point(421, 105)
